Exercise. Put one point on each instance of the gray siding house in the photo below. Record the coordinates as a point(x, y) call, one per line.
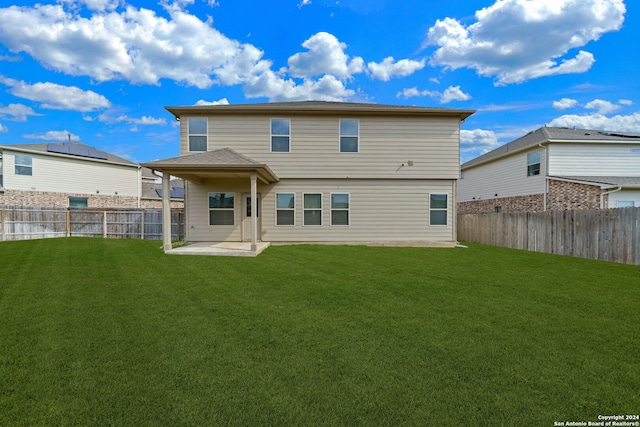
point(554, 169)
point(323, 172)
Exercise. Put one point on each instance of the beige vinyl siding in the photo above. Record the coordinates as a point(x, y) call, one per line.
point(64, 175)
point(380, 211)
point(505, 177)
point(385, 145)
point(594, 160)
point(197, 220)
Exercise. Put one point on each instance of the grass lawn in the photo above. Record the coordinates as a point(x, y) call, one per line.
point(114, 332)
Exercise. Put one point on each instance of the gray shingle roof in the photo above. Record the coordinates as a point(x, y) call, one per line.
point(549, 134)
point(44, 149)
point(622, 181)
point(317, 107)
point(220, 157)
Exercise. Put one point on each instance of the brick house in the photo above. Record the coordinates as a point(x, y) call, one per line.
point(69, 174)
point(554, 169)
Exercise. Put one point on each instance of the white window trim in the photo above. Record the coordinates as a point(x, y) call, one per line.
point(439, 209)
point(340, 137)
point(633, 203)
point(285, 209)
point(312, 209)
point(331, 209)
point(189, 135)
point(209, 209)
point(539, 162)
point(16, 164)
point(271, 134)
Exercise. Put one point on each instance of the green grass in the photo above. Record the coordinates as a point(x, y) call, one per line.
point(114, 332)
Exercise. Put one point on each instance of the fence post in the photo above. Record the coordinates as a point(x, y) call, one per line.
point(104, 224)
point(68, 223)
point(2, 224)
point(142, 225)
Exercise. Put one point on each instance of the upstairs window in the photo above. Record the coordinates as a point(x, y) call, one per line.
point(349, 134)
point(221, 208)
point(197, 134)
point(533, 163)
point(280, 135)
point(24, 165)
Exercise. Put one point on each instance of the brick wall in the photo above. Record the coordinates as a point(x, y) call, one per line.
point(61, 200)
point(570, 195)
point(149, 204)
point(530, 203)
point(560, 196)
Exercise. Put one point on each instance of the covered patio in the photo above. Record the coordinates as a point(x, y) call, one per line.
point(216, 164)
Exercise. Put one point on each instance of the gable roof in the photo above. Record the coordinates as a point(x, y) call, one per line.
point(317, 108)
point(62, 149)
point(554, 134)
point(219, 162)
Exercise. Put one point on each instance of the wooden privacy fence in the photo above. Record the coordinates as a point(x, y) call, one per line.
point(602, 234)
point(21, 223)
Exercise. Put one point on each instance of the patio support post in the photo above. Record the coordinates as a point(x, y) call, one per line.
point(254, 211)
point(166, 212)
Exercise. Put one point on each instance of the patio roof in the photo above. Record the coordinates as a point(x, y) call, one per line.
point(213, 164)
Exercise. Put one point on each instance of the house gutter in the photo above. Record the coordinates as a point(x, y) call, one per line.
point(546, 175)
point(606, 193)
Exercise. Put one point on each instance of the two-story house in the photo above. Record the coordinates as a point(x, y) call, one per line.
point(554, 169)
point(69, 174)
point(315, 171)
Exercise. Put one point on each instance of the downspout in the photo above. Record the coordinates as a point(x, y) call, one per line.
point(606, 193)
point(546, 177)
point(139, 186)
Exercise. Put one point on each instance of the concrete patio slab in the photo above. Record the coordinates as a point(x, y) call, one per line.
point(219, 249)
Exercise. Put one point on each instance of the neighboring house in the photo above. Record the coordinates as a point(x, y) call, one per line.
point(554, 169)
point(152, 190)
point(68, 174)
point(318, 172)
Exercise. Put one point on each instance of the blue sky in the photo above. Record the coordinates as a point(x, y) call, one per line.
point(102, 70)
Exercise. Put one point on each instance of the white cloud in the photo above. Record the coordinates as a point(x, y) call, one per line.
point(57, 97)
point(452, 93)
point(389, 68)
point(54, 135)
point(223, 101)
point(3, 128)
point(304, 3)
point(413, 92)
point(565, 103)
point(476, 142)
point(478, 139)
point(625, 102)
point(108, 117)
point(132, 44)
point(620, 123)
point(519, 40)
point(17, 112)
point(603, 107)
point(97, 5)
point(325, 55)
point(276, 88)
